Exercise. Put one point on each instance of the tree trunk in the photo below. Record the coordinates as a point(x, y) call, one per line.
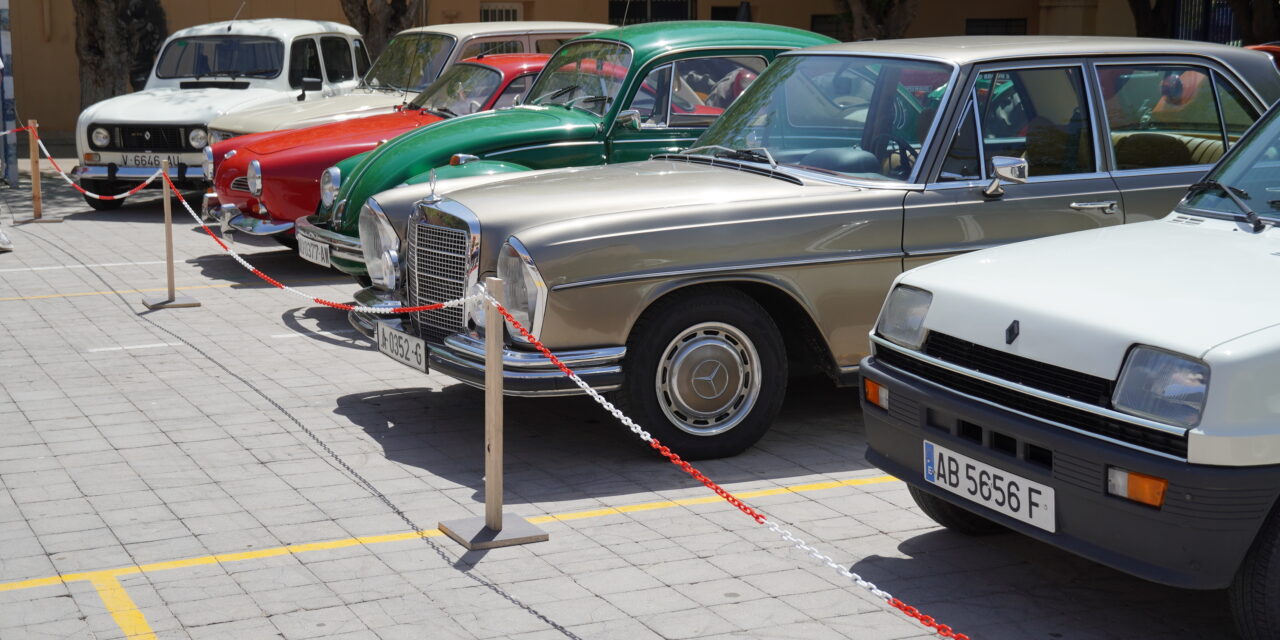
point(1257, 21)
point(379, 20)
point(880, 19)
point(1156, 19)
point(114, 40)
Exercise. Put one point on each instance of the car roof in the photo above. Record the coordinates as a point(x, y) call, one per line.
point(283, 28)
point(655, 38)
point(511, 63)
point(466, 29)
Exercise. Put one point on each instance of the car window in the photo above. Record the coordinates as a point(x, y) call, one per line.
point(513, 91)
point(1167, 115)
point(304, 62)
point(1040, 115)
point(461, 89)
point(962, 161)
point(694, 92)
point(651, 99)
point(489, 47)
point(235, 56)
point(362, 58)
point(549, 45)
point(586, 74)
point(338, 66)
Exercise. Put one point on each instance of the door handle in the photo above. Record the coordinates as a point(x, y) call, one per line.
point(1105, 206)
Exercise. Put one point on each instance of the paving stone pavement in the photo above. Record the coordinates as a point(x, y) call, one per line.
point(123, 446)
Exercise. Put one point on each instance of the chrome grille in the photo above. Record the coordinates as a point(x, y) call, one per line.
point(152, 138)
point(240, 184)
point(437, 269)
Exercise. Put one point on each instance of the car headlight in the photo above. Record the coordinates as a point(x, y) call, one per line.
point(218, 135)
point(1162, 386)
point(101, 137)
point(381, 247)
point(198, 138)
point(207, 165)
point(902, 320)
point(330, 182)
point(254, 178)
point(523, 287)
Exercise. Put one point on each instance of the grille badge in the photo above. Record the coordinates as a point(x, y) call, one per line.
point(1011, 333)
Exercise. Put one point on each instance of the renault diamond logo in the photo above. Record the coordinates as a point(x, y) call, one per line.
point(1011, 333)
point(710, 380)
point(146, 135)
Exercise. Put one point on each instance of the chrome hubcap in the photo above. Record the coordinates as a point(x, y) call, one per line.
point(708, 378)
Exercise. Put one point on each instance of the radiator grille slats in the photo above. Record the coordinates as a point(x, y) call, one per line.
point(437, 272)
point(152, 138)
point(1024, 371)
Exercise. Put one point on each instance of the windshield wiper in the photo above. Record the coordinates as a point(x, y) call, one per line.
point(751, 154)
point(1235, 194)
point(441, 112)
point(557, 93)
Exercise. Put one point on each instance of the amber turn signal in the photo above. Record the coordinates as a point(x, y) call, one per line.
point(92, 157)
point(876, 393)
point(1138, 487)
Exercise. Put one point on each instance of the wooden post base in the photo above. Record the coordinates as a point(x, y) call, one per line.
point(474, 535)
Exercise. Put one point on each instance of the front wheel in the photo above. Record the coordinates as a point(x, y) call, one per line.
point(1255, 592)
point(102, 187)
point(706, 372)
point(953, 517)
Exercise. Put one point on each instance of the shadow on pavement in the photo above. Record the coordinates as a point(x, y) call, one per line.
point(327, 325)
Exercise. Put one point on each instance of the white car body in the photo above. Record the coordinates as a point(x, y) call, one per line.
point(521, 37)
point(188, 102)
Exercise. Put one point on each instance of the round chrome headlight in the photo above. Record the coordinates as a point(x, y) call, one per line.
point(254, 178)
point(207, 164)
point(381, 247)
point(330, 183)
point(101, 137)
point(198, 138)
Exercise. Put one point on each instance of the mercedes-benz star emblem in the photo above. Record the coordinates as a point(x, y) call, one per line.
point(710, 379)
point(1011, 333)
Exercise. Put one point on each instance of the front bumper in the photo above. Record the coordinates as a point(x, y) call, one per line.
point(366, 323)
point(1196, 540)
point(182, 175)
point(524, 373)
point(344, 251)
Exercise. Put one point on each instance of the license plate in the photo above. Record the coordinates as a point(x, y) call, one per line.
point(996, 489)
point(402, 347)
point(312, 251)
point(146, 160)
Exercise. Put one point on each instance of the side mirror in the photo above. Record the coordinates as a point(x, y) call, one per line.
point(1005, 169)
point(312, 84)
point(629, 118)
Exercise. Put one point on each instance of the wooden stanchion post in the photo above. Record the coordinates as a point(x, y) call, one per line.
point(495, 529)
point(173, 300)
point(37, 201)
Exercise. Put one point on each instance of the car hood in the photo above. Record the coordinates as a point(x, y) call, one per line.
point(294, 114)
point(1183, 283)
point(371, 128)
point(178, 106)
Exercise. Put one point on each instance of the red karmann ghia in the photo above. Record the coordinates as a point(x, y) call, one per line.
point(289, 163)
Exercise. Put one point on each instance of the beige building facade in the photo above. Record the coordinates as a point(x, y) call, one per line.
point(47, 85)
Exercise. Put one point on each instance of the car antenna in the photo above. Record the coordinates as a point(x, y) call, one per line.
point(237, 15)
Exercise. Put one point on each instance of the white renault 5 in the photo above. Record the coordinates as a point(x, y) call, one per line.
point(203, 72)
point(1113, 392)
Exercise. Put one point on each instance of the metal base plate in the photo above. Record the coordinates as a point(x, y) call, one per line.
point(160, 302)
point(474, 535)
point(36, 220)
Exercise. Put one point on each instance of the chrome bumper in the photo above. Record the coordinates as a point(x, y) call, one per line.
point(232, 220)
point(524, 373)
point(181, 173)
point(342, 248)
point(365, 323)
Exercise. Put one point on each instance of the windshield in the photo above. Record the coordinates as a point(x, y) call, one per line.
point(862, 117)
point(463, 89)
point(1252, 171)
point(583, 74)
point(410, 62)
point(236, 56)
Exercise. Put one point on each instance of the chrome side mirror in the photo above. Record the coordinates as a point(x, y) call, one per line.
point(1005, 169)
point(629, 118)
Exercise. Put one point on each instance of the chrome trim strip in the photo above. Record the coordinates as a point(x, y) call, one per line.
point(727, 269)
point(543, 146)
point(305, 227)
point(1152, 171)
point(1013, 386)
point(137, 174)
point(477, 371)
point(656, 140)
point(472, 349)
point(956, 250)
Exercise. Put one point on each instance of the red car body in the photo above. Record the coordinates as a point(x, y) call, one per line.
point(291, 161)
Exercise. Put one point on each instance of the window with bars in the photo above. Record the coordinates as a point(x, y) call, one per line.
point(501, 11)
point(625, 12)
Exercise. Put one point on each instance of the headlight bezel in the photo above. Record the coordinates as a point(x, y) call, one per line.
point(907, 330)
point(380, 245)
point(254, 177)
point(1155, 366)
point(198, 138)
point(524, 289)
point(207, 164)
point(93, 137)
point(330, 184)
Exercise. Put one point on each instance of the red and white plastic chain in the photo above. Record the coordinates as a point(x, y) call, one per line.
point(321, 301)
point(36, 136)
point(18, 130)
point(928, 621)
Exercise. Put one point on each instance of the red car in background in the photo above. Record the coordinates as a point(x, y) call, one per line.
point(262, 182)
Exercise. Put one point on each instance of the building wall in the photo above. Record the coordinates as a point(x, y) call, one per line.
point(47, 84)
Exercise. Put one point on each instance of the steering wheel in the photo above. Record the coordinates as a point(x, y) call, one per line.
point(880, 145)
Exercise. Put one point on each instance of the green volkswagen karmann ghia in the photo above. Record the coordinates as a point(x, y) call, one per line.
point(614, 96)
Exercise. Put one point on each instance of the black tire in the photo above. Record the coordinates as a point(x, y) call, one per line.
point(688, 340)
point(105, 188)
point(953, 517)
point(287, 239)
point(1255, 592)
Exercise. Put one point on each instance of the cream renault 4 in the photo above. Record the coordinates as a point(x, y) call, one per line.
point(1113, 392)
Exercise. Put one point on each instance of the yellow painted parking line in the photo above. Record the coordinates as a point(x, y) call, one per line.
point(122, 608)
point(229, 285)
point(134, 624)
